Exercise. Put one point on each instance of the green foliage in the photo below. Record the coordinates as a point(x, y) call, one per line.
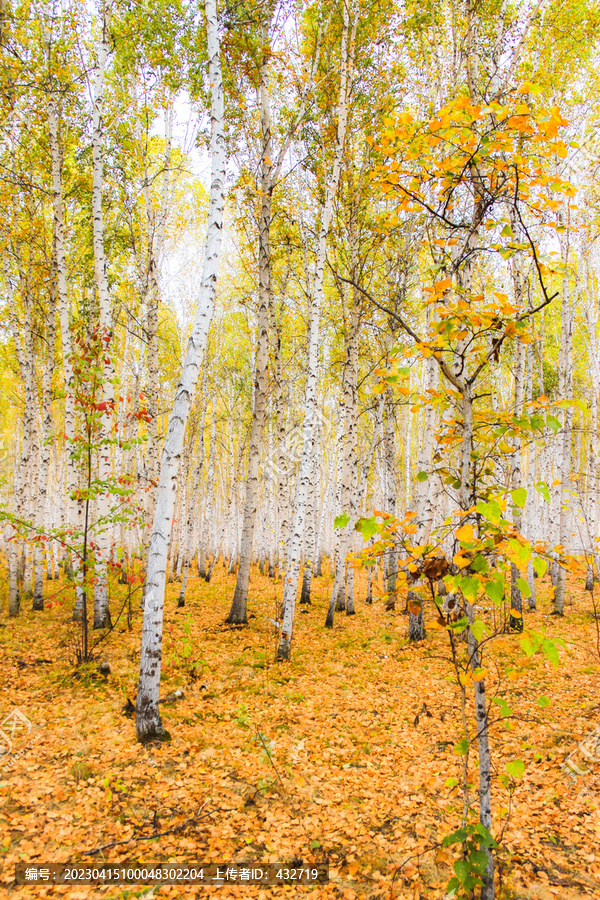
point(470, 868)
point(367, 527)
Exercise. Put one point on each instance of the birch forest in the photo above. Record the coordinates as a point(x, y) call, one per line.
point(299, 492)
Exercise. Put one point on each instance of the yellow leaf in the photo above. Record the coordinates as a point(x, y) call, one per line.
point(441, 286)
point(460, 561)
point(465, 533)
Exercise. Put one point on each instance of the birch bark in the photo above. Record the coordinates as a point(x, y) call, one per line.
point(237, 613)
point(349, 484)
point(390, 480)
point(192, 509)
point(156, 231)
point(566, 391)
point(426, 490)
point(74, 510)
point(308, 436)
point(207, 525)
point(148, 723)
point(103, 506)
point(530, 507)
point(45, 446)
point(354, 512)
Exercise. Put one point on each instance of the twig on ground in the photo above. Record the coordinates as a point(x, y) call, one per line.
point(150, 837)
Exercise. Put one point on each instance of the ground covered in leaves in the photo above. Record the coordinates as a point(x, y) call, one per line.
point(341, 756)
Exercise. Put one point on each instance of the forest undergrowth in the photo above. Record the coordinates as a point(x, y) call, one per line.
point(341, 756)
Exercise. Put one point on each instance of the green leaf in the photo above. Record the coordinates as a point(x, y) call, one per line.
point(452, 887)
point(460, 625)
point(451, 782)
point(470, 587)
point(540, 565)
point(515, 768)
point(490, 511)
point(341, 521)
point(457, 837)
point(495, 590)
point(368, 527)
point(519, 497)
point(461, 747)
point(553, 423)
point(314, 845)
point(523, 587)
point(528, 646)
point(422, 476)
point(543, 489)
point(485, 836)
point(550, 651)
point(480, 564)
point(543, 701)
point(478, 860)
point(462, 869)
point(505, 709)
point(478, 629)
point(507, 231)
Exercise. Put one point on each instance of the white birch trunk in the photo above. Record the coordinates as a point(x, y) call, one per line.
point(156, 231)
point(308, 436)
point(103, 505)
point(237, 613)
point(42, 500)
point(148, 723)
point(74, 511)
point(566, 390)
point(192, 509)
point(391, 500)
point(356, 507)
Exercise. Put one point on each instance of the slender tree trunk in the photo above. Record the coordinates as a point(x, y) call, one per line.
point(566, 390)
point(308, 436)
point(481, 710)
point(192, 509)
point(390, 463)
point(351, 406)
point(309, 534)
point(103, 505)
point(74, 510)
point(530, 507)
point(156, 231)
point(14, 598)
point(148, 723)
point(340, 601)
point(485, 763)
point(237, 613)
point(29, 463)
point(425, 493)
point(42, 502)
point(355, 509)
point(210, 492)
point(516, 601)
point(321, 531)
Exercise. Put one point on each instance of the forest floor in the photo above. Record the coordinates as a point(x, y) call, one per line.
point(340, 756)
